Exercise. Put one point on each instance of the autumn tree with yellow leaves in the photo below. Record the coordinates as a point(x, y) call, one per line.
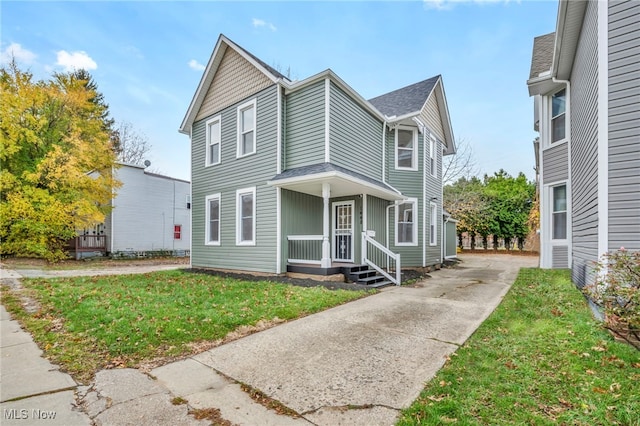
point(56, 161)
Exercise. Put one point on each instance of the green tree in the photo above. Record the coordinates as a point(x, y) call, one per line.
point(509, 202)
point(56, 161)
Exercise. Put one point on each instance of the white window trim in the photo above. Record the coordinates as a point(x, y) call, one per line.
point(413, 201)
point(551, 189)
point(414, 156)
point(433, 216)
point(207, 161)
point(207, 224)
point(546, 223)
point(239, 194)
point(433, 163)
point(548, 116)
point(251, 104)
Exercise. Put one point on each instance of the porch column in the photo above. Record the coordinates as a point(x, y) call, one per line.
point(326, 246)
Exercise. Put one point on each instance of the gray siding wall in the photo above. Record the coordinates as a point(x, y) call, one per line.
point(584, 148)
point(555, 162)
point(355, 135)
point(232, 174)
point(624, 124)
point(146, 208)
point(304, 127)
point(560, 257)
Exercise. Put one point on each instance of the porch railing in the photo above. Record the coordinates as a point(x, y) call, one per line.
point(382, 259)
point(305, 249)
point(83, 243)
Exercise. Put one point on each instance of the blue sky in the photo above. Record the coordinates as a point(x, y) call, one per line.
point(147, 58)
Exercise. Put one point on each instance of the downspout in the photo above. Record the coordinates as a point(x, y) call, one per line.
point(278, 189)
point(384, 149)
point(424, 195)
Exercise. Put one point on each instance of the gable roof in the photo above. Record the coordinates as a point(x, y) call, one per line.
point(219, 50)
point(542, 56)
point(406, 100)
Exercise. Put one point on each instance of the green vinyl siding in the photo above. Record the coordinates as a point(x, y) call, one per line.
point(410, 183)
point(376, 221)
point(301, 215)
point(229, 176)
point(304, 127)
point(355, 135)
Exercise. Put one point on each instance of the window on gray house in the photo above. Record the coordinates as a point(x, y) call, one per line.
point(558, 106)
point(559, 216)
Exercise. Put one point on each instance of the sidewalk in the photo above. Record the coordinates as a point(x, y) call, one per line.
point(356, 364)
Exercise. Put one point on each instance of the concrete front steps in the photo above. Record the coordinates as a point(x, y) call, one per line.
point(364, 275)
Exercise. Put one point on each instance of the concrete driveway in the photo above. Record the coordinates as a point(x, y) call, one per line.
point(362, 362)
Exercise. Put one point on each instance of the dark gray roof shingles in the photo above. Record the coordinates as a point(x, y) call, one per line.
point(319, 168)
point(405, 100)
point(542, 55)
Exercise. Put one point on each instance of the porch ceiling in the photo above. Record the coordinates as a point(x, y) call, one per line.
point(342, 183)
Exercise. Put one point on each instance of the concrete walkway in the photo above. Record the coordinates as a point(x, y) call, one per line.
point(356, 364)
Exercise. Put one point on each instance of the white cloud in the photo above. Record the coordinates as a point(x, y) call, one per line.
point(449, 4)
point(75, 60)
point(258, 23)
point(15, 50)
point(193, 64)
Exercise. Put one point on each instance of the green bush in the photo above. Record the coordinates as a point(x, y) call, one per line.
point(617, 292)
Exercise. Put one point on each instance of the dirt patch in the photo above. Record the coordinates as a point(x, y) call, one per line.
point(92, 263)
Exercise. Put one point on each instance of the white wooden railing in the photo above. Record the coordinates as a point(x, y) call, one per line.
point(378, 256)
point(305, 249)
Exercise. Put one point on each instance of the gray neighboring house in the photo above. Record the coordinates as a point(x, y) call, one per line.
point(585, 79)
point(151, 213)
point(308, 176)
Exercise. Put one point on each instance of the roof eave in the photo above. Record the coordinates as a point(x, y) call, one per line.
point(385, 193)
point(568, 26)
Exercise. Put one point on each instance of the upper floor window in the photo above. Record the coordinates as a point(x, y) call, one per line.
point(406, 152)
point(432, 155)
point(406, 227)
point(558, 121)
point(213, 141)
point(247, 128)
point(246, 216)
point(559, 215)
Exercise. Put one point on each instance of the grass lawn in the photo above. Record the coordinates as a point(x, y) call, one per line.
point(89, 323)
point(539, 359)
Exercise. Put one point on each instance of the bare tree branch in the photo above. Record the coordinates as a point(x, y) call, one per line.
point(460, 165)
point(130, 146)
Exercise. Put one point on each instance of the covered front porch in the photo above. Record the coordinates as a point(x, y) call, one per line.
point(333, 218)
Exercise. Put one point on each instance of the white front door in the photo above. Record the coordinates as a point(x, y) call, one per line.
point(343, 231)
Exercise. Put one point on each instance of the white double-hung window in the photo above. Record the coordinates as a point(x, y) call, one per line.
point(432, 155)
point(406, 148)
point(247, 128)
point(213, 141)
point(559, 213)
point(212, 224)
point(558, 116)
point(246, 216)
point(406, 226)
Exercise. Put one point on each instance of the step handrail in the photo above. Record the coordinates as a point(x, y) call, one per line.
point(395, 256)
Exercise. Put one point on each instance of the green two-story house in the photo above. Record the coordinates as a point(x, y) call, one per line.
point(310, 176)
